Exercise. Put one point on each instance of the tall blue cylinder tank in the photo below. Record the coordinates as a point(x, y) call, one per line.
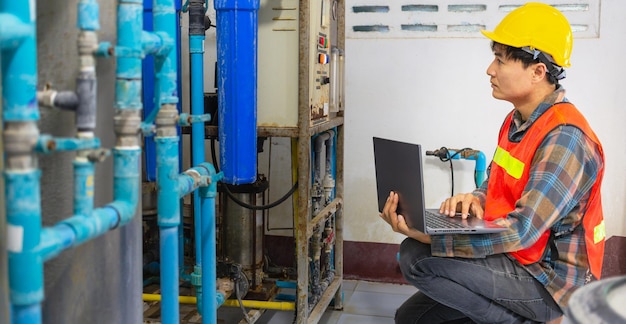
point(237, 34)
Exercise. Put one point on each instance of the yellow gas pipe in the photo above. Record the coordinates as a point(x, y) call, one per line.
point(283, 306)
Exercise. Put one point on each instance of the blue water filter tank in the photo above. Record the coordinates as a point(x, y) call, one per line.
point(237, 35)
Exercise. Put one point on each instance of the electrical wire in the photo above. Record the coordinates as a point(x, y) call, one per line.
point(444, 156)
point(243, 309)
point(268, 206)
point(244, 204)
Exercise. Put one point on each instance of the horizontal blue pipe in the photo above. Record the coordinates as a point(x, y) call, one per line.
point(48, 144)
point(55, 240)
point(186, 120)
point(187, 184)
point(81, 228)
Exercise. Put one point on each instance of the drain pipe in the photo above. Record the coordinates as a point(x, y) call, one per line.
point(22, 176)
point(196, 50)
point(237, 38)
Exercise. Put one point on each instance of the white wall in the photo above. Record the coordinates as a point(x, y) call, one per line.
point(436, 92)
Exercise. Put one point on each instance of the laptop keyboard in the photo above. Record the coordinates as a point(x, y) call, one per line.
point(437, 221)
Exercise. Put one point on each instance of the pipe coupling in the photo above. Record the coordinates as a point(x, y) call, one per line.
point(166, 121)
point(127, 124)
point(87, 46)
point(20, 139)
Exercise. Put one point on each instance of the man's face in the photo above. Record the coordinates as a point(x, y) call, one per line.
point(509, 79)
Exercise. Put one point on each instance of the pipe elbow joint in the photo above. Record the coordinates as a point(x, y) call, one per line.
point(167, 44)
point(125, 211)
point(210, 191)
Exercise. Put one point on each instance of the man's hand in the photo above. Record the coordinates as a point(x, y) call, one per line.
point(466, 204)
point(397, 222)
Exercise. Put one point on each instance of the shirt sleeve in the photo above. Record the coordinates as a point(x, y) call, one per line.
point(562, 174)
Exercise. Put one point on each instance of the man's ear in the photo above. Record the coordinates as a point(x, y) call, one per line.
point(539, 71)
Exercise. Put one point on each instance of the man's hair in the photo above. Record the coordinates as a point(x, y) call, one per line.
point(527, 59)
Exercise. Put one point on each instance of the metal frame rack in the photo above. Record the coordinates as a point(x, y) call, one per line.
point(304, 221)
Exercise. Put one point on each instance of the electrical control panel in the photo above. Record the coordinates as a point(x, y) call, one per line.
point(279, 63)
point(319, 66)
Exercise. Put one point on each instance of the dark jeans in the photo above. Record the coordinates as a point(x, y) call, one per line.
point(458, 290)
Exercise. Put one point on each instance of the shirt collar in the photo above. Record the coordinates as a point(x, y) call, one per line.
point(557, 96)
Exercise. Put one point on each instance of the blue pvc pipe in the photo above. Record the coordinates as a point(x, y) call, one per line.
point(23, 211)
point(13, 31)
point(83, 187)
point(128, 54)
point(49, 144)
point(126, 182)
point(196, 50)
point(165, 60)
point(237, 37)
point(18, 69)
point(88, 15)
point(209, 265)
point(28, 314)
point(169, 273)
point(19, 64)
point(168, 213)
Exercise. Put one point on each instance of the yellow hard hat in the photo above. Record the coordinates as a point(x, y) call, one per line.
point(538, 26)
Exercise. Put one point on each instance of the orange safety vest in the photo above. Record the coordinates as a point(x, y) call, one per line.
point(509, 175)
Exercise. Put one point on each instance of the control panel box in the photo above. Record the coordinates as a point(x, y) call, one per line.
point(279, 62)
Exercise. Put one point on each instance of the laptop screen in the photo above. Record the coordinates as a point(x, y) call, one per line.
point(399, 168)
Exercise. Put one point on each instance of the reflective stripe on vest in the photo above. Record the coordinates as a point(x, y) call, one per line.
point(599, 232)
point(512, 166)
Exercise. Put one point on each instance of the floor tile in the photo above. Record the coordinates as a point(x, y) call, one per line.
point(361, 319)
point(398, 289)
point(377, 304)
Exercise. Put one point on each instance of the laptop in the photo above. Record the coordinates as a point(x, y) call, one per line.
point(399, 169)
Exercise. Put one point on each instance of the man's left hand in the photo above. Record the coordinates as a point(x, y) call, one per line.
point(398, 223)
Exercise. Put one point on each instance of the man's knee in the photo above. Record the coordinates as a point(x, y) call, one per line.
point(411, 251)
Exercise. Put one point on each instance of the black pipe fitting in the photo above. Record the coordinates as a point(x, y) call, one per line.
point(196, 18)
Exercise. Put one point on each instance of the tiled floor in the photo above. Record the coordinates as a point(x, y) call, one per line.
point(364, 303)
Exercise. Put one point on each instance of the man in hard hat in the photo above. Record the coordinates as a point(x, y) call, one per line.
point(544, 186)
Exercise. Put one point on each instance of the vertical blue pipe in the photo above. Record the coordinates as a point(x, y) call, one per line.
point(196, 44)
point(26, 314)
point(83, 187)
point(22, 194)
point(23, 211)
point(196, 50)
point(165, 62)
point(237, 36)
point(168, 219)
point(19, 67)
point(128, 55)
point(169, 272)
point(209, 273)
point(167, 149)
